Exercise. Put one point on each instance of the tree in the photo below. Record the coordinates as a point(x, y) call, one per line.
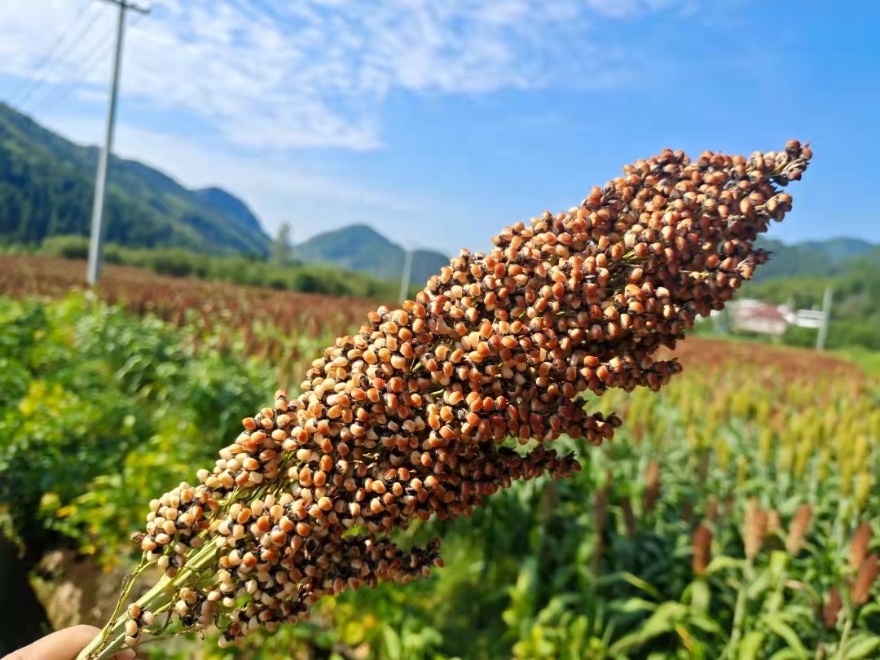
point(281, 248)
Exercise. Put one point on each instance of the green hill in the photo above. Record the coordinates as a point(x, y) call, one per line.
point(362, 248)
point(46, 190)
point(811, 258)
point(223, 202)
point(47, 185)
point(841, 249)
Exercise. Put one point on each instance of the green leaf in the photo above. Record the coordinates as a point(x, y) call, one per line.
point(576, 645)
point(639, 583)
point(635, 605)
point(761, 583)
point(392, 643)
point(750, 645)
point(700, 596)
point(694, 648)
point(662, 621)
point(862, 646)
point(723, 563)
point(784, 654)
point(777, 624)
point(778, 562)
point(706, 624)
point(871, 609)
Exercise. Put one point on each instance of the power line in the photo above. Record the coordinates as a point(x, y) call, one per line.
point(250, 13)
point(50, 68)
point(91, 60)
point(38, 76)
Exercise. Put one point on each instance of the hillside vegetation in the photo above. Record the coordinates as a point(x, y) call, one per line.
point(828, 258)
point(47, 189)
point(362, 248)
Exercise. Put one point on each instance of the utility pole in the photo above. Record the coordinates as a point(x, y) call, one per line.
point(96, 247)
point(407, 270)
point(826, 317)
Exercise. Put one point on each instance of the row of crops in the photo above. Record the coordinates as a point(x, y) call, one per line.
point(734, 515)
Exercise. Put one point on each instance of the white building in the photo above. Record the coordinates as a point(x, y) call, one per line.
point(750, 315)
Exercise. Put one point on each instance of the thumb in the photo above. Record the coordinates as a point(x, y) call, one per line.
point(63, 645)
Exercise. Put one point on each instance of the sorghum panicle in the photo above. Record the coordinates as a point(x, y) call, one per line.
point(869, 569)
point(406, 419)
point(702, 545)
point(858, 548)
point(797, 532)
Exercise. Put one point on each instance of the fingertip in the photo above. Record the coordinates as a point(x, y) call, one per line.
point(125, 655)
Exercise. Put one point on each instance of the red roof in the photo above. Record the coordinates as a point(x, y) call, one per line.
point(762, 312)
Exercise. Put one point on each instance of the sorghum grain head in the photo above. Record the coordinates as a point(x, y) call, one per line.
point(497, 345)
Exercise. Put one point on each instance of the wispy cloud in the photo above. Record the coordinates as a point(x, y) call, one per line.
point(278, 187)
point(276, 75)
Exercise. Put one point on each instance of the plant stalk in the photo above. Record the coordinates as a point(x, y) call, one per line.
point(111, 640)
point(844, 636)
point(739, 612)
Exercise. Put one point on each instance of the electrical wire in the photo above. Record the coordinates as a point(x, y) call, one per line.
point(90, 62)
point(51, 64)
point(95, 57)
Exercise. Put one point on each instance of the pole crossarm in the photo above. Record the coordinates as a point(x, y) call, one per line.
point(129, 6)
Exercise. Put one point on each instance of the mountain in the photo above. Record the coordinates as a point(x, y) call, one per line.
point(47, 189)
point(223, 202)
point(361, 248)
point(828, 258)
point(841, 249)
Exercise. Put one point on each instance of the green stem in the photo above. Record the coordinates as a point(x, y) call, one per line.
point(127, 585)
point(844, 637)
point(739, 612)
point(161, 596)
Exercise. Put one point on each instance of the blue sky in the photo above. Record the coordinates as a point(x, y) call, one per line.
point(440, 122)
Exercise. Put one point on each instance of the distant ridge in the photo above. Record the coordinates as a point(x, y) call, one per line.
point(360, 247)
point(47, 184)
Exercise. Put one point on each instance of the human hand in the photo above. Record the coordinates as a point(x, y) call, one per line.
point(63, 645)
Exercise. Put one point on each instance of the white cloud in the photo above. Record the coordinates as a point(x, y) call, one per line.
point(275, 75)
point(277, 187)
point(256, 80)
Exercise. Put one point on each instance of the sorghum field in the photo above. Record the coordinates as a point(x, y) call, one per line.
point(735, 514)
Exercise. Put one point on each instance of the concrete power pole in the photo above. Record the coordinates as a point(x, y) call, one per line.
point(826, 317)
point(96, 243)
point(407, 272)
